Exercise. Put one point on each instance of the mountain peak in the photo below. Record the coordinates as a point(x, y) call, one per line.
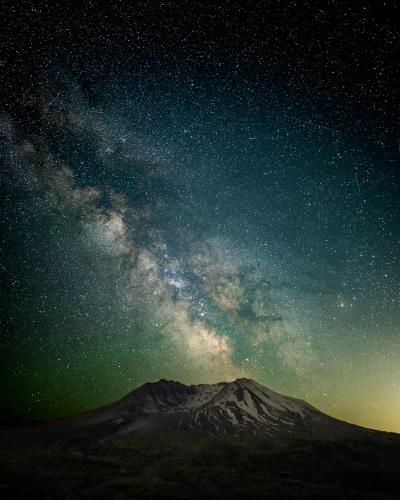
point(166, 381)
point(244, 380)
point(240, 406)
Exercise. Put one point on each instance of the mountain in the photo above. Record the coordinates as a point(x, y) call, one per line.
point(244, 405)
point(230, 409)
point(229, 440)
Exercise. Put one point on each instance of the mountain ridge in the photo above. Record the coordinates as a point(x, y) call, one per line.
point(237, 409)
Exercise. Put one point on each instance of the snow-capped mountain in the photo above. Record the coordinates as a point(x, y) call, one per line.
point(245, 404)
point(225, 441)
point(224, 409)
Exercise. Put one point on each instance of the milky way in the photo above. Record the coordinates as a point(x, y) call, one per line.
point(199, 204)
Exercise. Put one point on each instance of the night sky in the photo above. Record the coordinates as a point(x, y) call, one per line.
point(200, 193)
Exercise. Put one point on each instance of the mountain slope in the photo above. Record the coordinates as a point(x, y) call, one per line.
point(235, 440)
point(244, 404)
point(241, 407)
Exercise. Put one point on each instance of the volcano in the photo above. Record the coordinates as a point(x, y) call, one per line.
point(237, 409)
point(229, 440)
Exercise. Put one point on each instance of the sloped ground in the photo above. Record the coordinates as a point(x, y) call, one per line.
point(198, 468)
point(228, 441)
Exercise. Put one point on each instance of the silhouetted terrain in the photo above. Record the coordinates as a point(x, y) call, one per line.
point(228, 440)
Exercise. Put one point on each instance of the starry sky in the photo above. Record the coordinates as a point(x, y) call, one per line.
point(200, 193)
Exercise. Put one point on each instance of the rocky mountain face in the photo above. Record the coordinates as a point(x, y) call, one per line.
point(227, 409)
